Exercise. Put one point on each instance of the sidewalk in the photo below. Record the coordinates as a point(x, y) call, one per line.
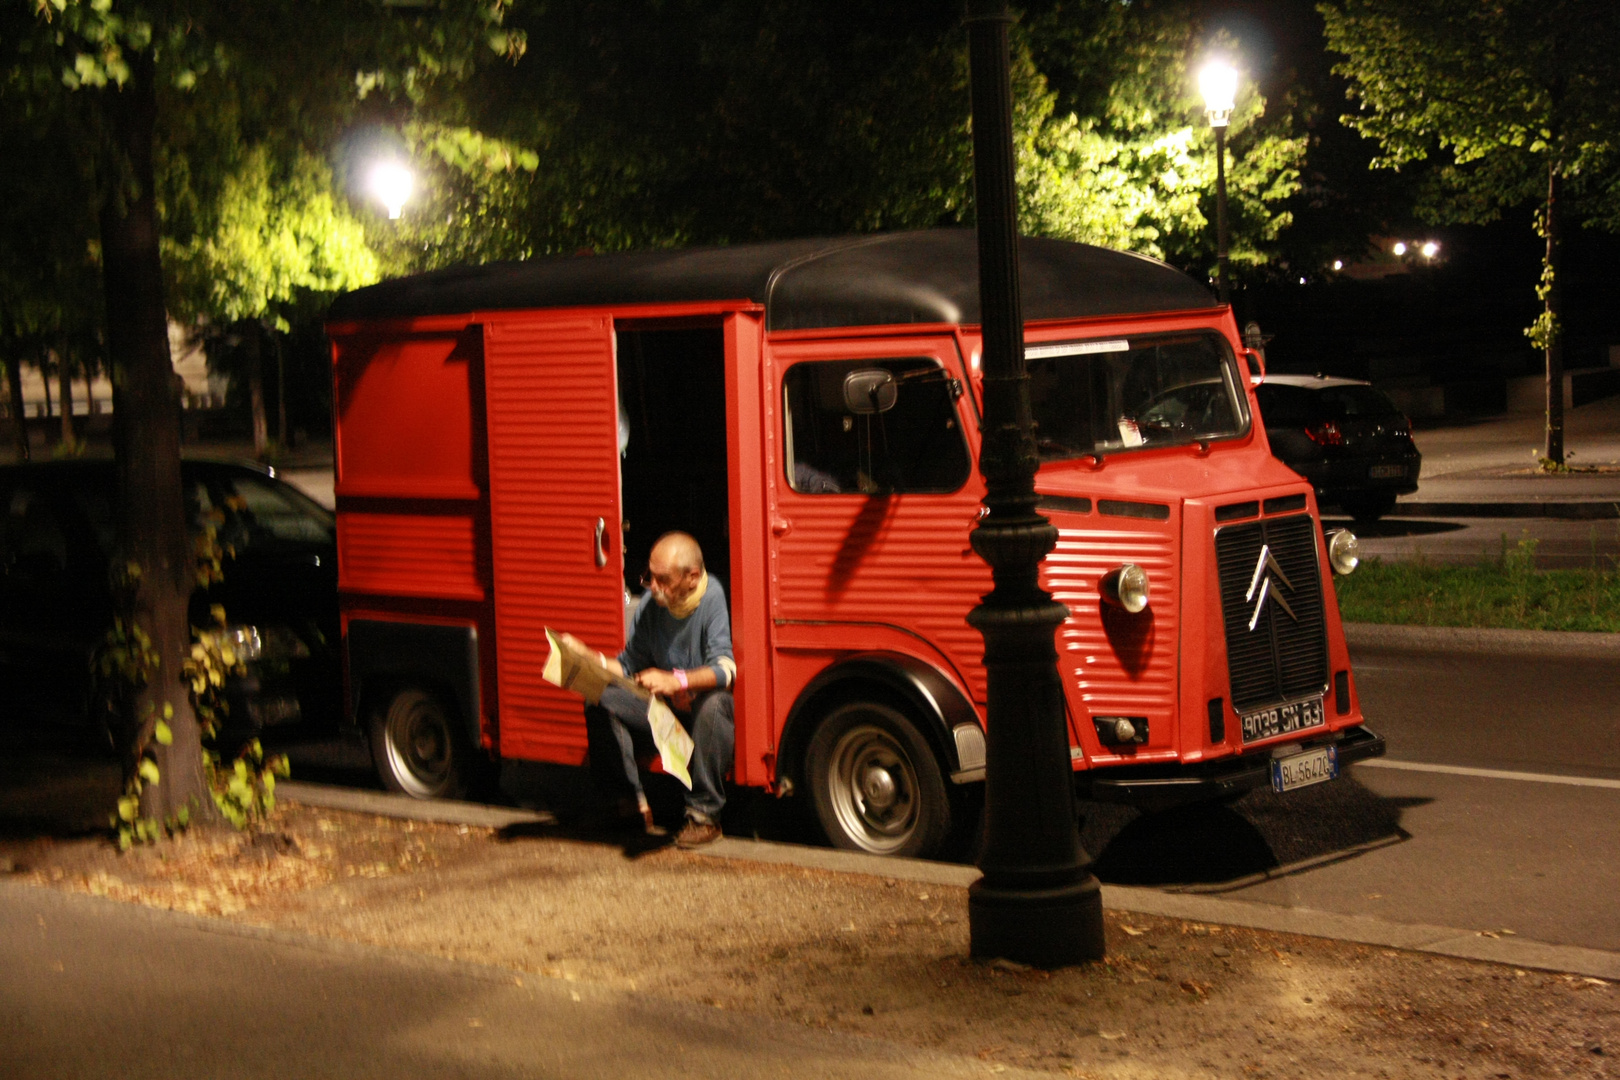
point(1488, 467)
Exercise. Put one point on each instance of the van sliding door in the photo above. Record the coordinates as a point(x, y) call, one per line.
point(554, 516)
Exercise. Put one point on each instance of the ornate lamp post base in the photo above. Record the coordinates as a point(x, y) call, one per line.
point(1045, 928)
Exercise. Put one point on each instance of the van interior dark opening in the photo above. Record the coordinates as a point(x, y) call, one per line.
point(672, 396)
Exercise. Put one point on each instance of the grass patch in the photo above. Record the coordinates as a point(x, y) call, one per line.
point(1508, 593)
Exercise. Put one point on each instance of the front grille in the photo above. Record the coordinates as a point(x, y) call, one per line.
point(1282, 658)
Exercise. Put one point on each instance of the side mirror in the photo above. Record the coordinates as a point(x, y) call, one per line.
point(870, 390)
point(1257, 365)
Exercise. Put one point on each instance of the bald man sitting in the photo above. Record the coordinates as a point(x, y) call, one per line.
point(679, 647)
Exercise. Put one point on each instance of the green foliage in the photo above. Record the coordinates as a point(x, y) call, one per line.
point(1140, 176)
point(1506, 592)
point(245, 790)
point(1514, 99)
point(275, 229)
point(736, 120)
point(1502, 86)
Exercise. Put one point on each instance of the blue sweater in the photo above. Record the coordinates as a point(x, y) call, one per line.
point(703, 639)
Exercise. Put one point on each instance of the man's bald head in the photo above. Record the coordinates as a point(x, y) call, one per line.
point(678, 551)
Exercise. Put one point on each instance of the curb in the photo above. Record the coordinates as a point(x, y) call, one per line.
point(1468, 641)
point(1582, 510)
point(1360, 929)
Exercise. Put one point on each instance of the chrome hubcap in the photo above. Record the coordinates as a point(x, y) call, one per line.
point(873, 789)
point(418, 743)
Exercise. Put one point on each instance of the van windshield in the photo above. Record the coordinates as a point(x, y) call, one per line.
point(1104, 397)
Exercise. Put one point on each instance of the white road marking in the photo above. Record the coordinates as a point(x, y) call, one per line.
point(1490, 774)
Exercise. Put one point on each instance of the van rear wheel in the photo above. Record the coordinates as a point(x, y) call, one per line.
point(876, 783)
point(418, 749)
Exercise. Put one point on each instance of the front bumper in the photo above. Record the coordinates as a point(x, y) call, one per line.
point(1162, 787)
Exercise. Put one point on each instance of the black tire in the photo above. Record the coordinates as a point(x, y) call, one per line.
point(1368, 505)
point(419, 748)
point(876, 784)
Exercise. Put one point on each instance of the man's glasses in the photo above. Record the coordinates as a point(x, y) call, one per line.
point(665, 582)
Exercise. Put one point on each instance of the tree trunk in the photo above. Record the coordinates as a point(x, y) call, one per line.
point(281, 391)
point(19, 415)
point(45, 385)
point(146, 439)
point(253, 340)
point(89, 373)
point(64, 383)
point(1554, 344)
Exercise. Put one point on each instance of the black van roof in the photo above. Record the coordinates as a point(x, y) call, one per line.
point(877, 280)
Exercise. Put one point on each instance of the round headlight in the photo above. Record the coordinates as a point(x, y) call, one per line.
point(1344, 551)
point(1126, 588)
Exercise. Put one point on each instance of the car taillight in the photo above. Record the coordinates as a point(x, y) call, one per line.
point(1325, 433)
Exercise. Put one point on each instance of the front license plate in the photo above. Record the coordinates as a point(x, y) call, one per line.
point(1303, 770)
point(1282, 719)
point(1386, 472)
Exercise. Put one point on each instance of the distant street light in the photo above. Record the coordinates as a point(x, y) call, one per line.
point(1218, 82)
point(1400, 247)
point(1430, 249)
point(392, 183)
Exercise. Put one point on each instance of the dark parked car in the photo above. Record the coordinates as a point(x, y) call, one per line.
point(279, 594)
point(1348, 439)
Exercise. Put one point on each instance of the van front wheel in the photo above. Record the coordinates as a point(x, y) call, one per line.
point(876, 783)
point(417, 748)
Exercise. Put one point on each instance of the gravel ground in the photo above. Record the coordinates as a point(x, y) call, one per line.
point(866, 955)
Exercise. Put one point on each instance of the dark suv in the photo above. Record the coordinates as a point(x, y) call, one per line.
point(1348, 439)
point(279, 594)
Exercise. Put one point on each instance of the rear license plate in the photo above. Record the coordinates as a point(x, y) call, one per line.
point(1386, 472)
point(1303, 770)
point(1282, 719)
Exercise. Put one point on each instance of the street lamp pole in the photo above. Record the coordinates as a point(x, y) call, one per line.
point(1218, 82)
point(1222, 286)
point(1037, 902)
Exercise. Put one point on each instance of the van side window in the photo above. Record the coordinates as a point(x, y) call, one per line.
point(916, 446)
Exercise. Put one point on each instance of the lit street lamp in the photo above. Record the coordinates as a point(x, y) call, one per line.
point(1218, 83)
point(392, 184)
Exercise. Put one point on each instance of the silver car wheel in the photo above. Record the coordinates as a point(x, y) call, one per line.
point(419, 744)
point(872, 785)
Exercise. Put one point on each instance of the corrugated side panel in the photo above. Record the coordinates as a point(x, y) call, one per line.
point(898, 561)
point(409, 555)
point(553, 472)
point(1120, 664)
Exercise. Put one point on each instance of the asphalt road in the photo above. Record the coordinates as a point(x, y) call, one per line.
point(1485, 847)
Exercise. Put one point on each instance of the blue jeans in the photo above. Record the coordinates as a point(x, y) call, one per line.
point(712, 725)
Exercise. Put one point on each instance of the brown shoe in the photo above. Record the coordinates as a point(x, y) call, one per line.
point(649, 826)
point(696, 833)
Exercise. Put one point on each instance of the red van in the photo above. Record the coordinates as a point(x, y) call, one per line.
point(511, 439)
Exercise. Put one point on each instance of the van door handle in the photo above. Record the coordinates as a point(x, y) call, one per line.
point(601, 542)
point(781, 527)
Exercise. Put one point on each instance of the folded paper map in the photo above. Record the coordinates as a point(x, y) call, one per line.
point(584, 675)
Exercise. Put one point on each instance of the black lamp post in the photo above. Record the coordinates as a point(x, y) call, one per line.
point(1218, 83)
point(1037, 902)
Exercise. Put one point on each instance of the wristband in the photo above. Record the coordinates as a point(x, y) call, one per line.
point(680, 677)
